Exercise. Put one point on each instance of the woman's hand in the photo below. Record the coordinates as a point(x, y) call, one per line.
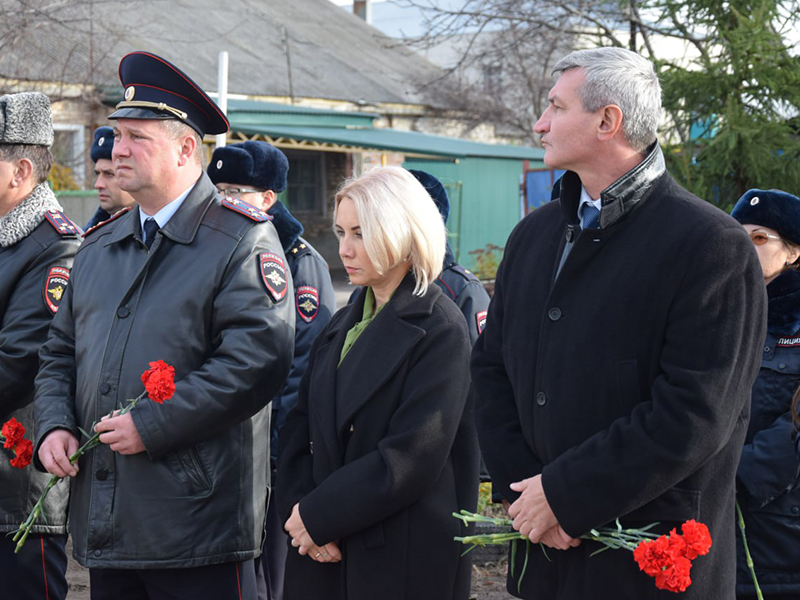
point(301, 540)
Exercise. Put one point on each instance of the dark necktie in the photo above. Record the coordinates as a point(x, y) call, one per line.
point(590, 216)
point(150, 228)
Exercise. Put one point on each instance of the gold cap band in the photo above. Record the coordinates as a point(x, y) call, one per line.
point(154, 105)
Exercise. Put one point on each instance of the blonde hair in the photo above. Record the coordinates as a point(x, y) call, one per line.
point(399, 221)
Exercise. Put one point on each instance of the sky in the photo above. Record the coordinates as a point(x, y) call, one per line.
point(396, 21)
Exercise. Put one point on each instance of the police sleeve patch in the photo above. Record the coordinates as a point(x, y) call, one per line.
point(480, 319)
point(55, 284)
point(307, 302)
point(273, 274)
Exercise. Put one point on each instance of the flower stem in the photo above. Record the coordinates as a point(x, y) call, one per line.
point(750, 564)
point(21, 534)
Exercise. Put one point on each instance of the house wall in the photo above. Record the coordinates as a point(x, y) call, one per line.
point(484, 198)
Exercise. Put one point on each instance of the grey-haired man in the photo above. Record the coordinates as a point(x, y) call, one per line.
point(613, 378)
point(37, 246)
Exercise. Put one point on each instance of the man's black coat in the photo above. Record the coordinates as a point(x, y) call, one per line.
point(625, 381)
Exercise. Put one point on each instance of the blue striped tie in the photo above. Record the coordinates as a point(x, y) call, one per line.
point(590, 216)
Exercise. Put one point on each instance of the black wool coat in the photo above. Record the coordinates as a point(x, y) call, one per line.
point(625, 381)
point(381, 451)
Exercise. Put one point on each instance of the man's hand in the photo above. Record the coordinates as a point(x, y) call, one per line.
point(559, 539)
point(301, 540)
point(534, 518)
point(55, 450)
point(120, 434)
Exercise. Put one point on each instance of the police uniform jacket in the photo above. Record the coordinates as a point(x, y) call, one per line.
point(625, 381)
point(768, 491)
point(199, 300)
point(315, 303)
point(381, 451)
point(34, 272)
point(467, 291)
point(98, 217)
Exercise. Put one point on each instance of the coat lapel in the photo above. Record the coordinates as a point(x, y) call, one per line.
point(380, 351)
point(322, 387)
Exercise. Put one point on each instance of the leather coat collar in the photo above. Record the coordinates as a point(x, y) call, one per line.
point(183, 225)
point(620, 197)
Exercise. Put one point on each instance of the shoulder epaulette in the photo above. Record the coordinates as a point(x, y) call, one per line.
point(298, 247)
point(107, 221)
point(62, 224)
point(469, 275)
point(248, 210)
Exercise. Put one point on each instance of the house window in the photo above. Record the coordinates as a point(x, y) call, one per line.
point(69, 149)
point(305, 189)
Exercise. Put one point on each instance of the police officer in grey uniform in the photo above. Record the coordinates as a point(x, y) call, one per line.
point(37, 246)
point(255, 172)
point(172, 503)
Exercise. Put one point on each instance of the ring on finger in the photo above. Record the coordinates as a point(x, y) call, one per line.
point(318, 554)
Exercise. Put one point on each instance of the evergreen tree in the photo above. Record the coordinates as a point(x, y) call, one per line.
point(733, 105)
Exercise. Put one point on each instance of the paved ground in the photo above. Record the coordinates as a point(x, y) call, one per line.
point(488, 582)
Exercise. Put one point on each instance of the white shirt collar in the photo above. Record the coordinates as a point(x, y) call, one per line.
point(166, 213)
point(587, 199)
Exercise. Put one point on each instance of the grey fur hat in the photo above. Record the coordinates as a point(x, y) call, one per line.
point(25, 118)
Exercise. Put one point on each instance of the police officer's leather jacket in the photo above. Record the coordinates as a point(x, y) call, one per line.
point(37, 245)
point(212, 297)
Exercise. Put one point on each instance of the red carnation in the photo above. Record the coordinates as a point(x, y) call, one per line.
point(654, 555)
point(13, 431)
point(159, 381)
point(674, 577)
point(665, 560)
point(24, 451)
point(698, 539)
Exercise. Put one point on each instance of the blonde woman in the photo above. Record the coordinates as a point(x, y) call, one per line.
point(381, 448)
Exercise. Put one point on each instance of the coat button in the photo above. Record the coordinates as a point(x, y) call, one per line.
point(782, 366)
point(352, 428)
point(101, 474)
point(554, 314)
point(795, 510)
point(541, 399)
point(98, 553)
point(123, 312)
point(105, 388)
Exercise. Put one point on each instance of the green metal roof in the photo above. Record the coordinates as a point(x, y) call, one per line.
point(256, 112)
point(409, 142)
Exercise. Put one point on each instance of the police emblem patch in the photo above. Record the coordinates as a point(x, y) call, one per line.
point(480, 318)
point(55, 284)
point(273, 274)
point(307, 302)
